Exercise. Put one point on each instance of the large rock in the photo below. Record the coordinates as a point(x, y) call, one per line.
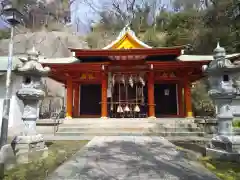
point(51, 44)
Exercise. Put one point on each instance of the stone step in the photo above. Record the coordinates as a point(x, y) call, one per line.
point(128, 120)
point(170, 138)
point(103, 133)
point(126, 129)
point(119, 121)
point(110, 124)
point(128, 126)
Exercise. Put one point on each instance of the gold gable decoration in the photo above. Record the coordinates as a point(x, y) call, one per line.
point(126, 43)
point(127, 40)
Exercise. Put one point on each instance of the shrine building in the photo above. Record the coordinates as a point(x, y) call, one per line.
point(129, 79)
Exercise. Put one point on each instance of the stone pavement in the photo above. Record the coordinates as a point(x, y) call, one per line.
point(130, 158)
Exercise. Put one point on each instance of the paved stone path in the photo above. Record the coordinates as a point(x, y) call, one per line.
point(130, 158)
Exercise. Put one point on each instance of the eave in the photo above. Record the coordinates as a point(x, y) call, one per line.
point(126, 52)
point(196, 58)
point(67, 60)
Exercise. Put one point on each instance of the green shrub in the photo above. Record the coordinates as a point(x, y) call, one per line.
point(236, 123)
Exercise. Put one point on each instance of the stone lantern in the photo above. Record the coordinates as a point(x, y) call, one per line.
point(222, 75)
point(31, 92)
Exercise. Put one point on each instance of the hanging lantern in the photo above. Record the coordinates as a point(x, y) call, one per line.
point(11, 14)
point(136, 109)
point(119, 109)
point(127, 109)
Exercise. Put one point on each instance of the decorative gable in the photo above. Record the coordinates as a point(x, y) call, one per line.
point(127, 40)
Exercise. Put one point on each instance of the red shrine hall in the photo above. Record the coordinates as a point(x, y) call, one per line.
point(128, 79)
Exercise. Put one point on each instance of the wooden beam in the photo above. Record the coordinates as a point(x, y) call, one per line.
point(76, 100)
point(174, 65)
point(188, 98)
point(104, 112)
point(69, 99)
point(78, 67)
point(151, 103)
point(180, 98)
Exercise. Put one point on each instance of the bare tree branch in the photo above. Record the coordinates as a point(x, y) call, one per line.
point(119, 11)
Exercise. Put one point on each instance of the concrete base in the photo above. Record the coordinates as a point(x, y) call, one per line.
point(68, 117)
point(152, 117)
point(104, 117)
point(29, 147)
point(190, 117)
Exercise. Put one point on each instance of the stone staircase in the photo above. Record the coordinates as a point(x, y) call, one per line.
point(124, 127)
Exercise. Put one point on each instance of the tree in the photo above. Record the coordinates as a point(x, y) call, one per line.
point(43, 13)
point(186, 4)
point(202, 104)
point(4, 34)
point(140, 15)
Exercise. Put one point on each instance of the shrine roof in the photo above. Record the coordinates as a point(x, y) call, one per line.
point(65, 60)
point(132, 51)
point(4, 62)
point(72, 60)
point(127, 43)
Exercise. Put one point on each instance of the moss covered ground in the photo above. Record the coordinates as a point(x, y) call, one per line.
point(224, 170)
point(39, 169)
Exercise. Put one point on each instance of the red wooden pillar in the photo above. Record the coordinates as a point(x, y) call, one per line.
point(151, 104)
point(104, 96)
point(188, 99)
point(76, 100)
point(69, 99)
point(180, 99)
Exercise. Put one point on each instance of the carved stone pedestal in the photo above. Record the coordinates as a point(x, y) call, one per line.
point(27, 148)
